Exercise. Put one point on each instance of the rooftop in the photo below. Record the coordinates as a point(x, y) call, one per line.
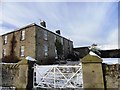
point(34, 24)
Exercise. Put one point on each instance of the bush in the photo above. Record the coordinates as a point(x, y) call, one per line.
point(10, 59)
point(73, 57)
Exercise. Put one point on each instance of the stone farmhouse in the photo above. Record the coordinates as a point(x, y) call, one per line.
point(35, 41)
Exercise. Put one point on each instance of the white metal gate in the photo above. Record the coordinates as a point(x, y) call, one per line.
point(55, 76)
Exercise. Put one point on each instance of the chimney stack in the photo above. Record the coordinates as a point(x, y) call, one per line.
point(43, 23)
point(58, 32)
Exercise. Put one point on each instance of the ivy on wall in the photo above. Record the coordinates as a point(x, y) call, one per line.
point(11, 58)
point(59, 48)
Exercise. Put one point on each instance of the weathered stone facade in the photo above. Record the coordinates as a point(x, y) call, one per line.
point(20, 75)
point(0, 48)
point(50, 42)
point(15, 75)
point(41, 43)
point(99, 75)
point(29, 42)
point(0, 61)
point(112, 76)
point(34, 44)
point(92, 72)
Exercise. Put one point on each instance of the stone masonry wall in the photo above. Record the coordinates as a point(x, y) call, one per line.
point(15, 75)
point(0, 47)
point(112, 75)
point(9, 74)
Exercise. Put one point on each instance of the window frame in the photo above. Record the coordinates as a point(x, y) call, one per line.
point(22, 35)
point(22, 51)
point(4, 53)
point(5, 39)
point(46, 50)
point(62, 41)
point(45, 35)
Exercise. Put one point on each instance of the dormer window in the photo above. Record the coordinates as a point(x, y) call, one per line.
point(22, 35)
point(5, 39)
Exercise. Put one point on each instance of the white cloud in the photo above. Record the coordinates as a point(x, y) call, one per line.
point(91, 25)
point(60, 1)
point(82, 23)
point(113, 37)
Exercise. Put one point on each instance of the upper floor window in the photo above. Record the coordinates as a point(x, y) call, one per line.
point(55, 37)
point(4, 52)
point(56, 56)
point(22, 35)
point(45, 35)
point(5, 39)
point(22, 51)
point(62, 41)
point(46, 50)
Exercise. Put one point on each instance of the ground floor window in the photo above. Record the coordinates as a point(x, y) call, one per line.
point(46, 50)
point(4, 52)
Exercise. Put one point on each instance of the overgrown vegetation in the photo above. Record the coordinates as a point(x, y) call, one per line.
point(73, 56)
point(59, 48)
point(13, 45)
point(11, 58)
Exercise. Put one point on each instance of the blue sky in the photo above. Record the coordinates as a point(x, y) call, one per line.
point(84, 23)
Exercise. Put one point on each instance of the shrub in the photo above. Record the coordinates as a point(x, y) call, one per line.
point(10, 59)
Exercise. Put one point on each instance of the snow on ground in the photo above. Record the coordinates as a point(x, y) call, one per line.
point(111, 60)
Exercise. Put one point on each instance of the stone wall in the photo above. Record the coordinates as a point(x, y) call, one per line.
point(112, 75)
point(97, 74)
point(50, 42)
point(27, 43)
point(9, 74)
point(17, 75)
point(92, 72)
point(0, 47)
point(20, 75)
point(0, 61)
point(40, 45)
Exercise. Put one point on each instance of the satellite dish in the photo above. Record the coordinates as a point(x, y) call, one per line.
point(30, 58)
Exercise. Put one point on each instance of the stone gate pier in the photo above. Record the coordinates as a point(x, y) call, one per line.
point(92, 72)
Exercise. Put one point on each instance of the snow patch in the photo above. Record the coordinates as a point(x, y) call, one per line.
point(107, 47)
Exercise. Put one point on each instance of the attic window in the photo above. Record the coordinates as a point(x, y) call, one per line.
point(22, 35)
point(5, 39)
